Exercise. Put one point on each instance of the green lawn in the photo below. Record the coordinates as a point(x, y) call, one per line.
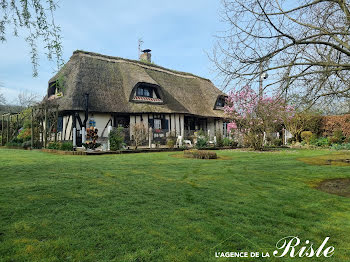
point(157, 207)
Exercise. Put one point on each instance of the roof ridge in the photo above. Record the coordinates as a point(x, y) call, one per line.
point(143, 64)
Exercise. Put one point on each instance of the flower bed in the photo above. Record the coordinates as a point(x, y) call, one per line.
point(200, 154)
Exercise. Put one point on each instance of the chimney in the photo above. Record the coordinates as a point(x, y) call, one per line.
point(146, 56)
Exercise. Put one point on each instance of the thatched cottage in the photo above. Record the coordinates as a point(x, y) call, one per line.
point(98, 90)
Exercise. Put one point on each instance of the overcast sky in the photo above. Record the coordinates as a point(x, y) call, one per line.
point(178, 32)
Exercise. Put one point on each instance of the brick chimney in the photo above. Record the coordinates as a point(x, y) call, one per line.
point(146, 56)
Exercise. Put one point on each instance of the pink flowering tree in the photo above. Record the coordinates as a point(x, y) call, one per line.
point(252, 115)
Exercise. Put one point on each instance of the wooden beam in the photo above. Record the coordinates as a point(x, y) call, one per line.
point(56, 116)
point(32, 130)
point(8, 128)
point(45, 127)
point(65, 129)
point(2, 129)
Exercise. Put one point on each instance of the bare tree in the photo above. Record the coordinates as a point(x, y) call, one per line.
point(140, 133)
point(36, 18)
point(26, 99)
point(2, 99)
point(303, 45)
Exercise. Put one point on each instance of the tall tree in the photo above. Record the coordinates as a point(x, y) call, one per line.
point(304, 46)
point(36, 19)
point(2, 99)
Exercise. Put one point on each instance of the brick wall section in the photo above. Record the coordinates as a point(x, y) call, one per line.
point(331, 123)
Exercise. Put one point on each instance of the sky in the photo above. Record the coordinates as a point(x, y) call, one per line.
point(180, 34)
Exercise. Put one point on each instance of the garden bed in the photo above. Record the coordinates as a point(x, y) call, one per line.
point(336, 186)
point(338, 159)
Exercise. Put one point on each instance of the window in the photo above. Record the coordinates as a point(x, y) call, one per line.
point(144, 91)
point(52, 89)
point(220, 102)
point(157, 123)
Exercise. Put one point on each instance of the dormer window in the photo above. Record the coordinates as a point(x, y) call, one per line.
point(220, 102)
point(146, 93)
point(54, 90)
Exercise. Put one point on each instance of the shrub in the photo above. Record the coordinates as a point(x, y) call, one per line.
point(17, 140)
point(291, 140)
point(345, 146)
point(306, 120)
point(67, 146)
point(200, 154)
point(54, 145)
point(276, 142)
point(337, 138)
point(226, 141)
point(202, 142)
point(13, 144)
point(201, 133)
point(25, 134)
point(313, 139)
point(229, 142)
point(322, 142)
point(219, 140)
point(91, 145)
point(170, 143)
point(306, 136)
point(140, 134)
point(334, 140)
point(116, 139)
point(26, 144)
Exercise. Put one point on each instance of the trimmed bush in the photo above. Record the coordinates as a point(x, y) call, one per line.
point(200, 154)
point(67, 146)
point(306, 136)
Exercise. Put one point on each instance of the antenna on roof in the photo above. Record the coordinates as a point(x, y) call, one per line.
point(140, 42)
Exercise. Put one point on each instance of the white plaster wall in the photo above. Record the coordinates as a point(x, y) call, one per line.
point(67, 131)
point(132, 124)
point(219, 125)
point(177, 125)
point(182, 124)
point(173, 126)
point(211, 127)
point(101, 122)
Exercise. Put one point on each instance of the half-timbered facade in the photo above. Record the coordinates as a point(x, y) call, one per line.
point(101, 91)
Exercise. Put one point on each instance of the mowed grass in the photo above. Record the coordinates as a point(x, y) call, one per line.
point(157, 207)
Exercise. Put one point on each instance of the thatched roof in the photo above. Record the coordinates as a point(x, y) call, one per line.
point(110, 82)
